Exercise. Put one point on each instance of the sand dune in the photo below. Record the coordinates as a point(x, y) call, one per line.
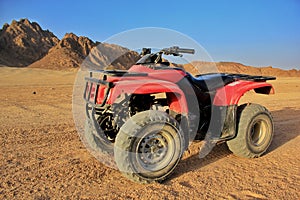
point(42, 156)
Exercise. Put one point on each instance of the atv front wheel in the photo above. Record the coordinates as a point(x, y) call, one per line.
point(254, 131)
point(149, 146)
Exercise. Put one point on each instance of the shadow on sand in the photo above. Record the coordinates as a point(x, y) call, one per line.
point(286, 122)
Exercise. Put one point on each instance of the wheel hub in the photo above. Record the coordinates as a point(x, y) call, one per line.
point(153, 149)
point(258, 132)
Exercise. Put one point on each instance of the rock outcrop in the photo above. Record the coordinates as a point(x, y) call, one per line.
point(24, 42)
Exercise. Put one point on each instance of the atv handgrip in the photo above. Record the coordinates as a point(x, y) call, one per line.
point(176, 50)
point(190, 51)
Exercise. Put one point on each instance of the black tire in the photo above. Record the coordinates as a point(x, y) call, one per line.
point(254, 131)
point(96, 139)
point(149, 146)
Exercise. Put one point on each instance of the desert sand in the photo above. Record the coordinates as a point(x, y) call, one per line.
point(42, 156)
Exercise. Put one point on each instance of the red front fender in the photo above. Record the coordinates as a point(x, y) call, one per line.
point(231, 93)
point(176, 97)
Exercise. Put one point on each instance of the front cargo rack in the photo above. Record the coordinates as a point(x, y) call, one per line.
point(118, 73)
point(92, 84)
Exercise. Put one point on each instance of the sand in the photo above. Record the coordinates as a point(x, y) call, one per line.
point(42, 156)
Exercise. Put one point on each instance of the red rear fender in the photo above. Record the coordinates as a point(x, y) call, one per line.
point(231, 93)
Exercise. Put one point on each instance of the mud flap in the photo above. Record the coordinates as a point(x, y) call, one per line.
point(222, 127)
point(90, 114)
point(223, 124)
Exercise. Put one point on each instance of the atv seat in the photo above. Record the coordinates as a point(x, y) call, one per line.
point(210, 82)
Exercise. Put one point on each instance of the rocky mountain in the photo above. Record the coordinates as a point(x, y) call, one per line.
point(110, 56)
point(24, 42)
point(73, 52)
point(67, 54)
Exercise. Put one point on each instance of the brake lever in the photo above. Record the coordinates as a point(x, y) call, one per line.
point(177, 54)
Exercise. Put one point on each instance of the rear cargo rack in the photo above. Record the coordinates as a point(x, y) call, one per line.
point(253, 78)
point(245, 77)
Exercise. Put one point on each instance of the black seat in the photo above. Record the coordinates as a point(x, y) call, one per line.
point(210, 82)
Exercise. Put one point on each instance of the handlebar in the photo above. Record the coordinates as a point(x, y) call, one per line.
point(175, 50)
point(148, 57)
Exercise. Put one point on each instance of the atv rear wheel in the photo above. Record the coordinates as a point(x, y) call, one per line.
point(254, 131)
point(149, 146)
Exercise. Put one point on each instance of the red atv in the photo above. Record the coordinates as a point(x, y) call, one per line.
point(146, 116)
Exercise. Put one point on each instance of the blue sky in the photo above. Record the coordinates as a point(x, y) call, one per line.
point(253, 32)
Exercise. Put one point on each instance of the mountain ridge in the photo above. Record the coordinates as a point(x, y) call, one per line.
point(238, 68)
point(26, 44)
